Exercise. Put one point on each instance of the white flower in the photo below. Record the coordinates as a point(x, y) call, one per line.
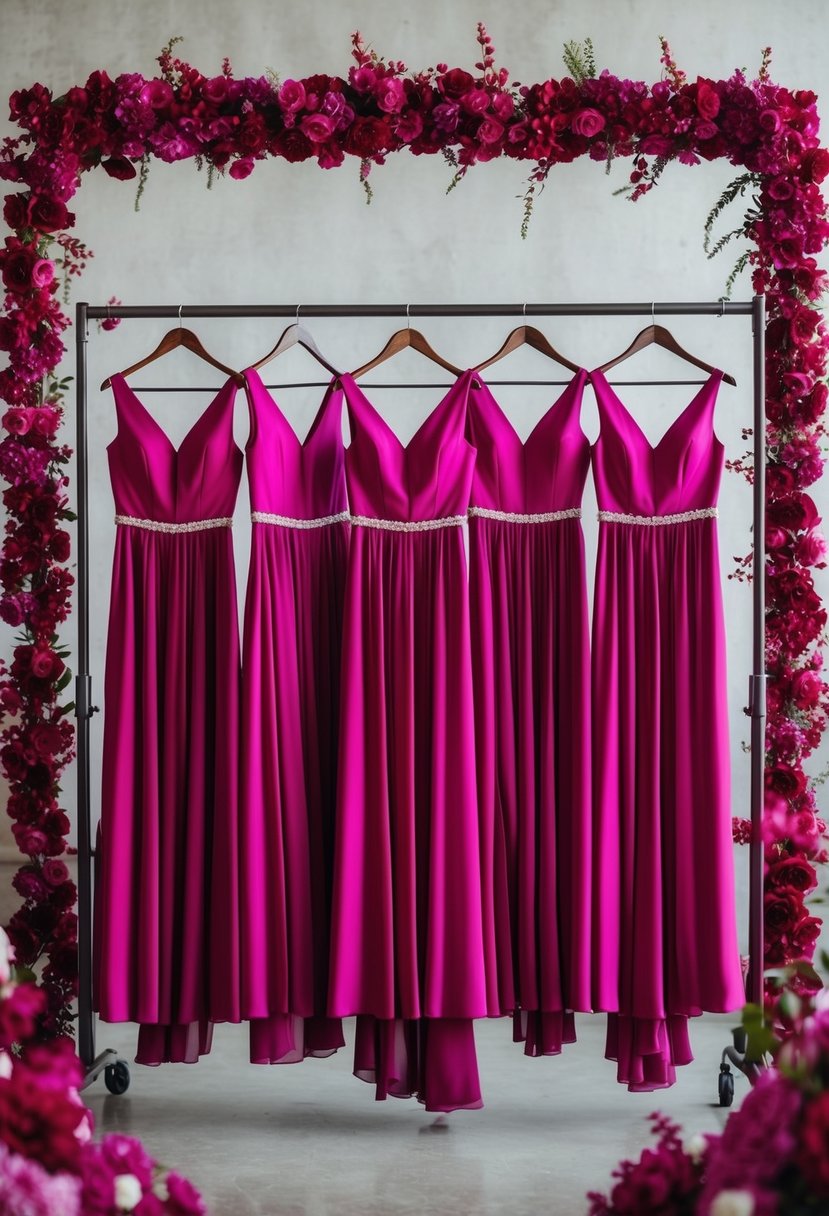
point(128, 1192)
point(6, 1064)
point(733, 1203)
point(6, 957)
point(694, 1147)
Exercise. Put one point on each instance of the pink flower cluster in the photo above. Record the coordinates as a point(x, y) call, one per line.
point(768, 132)
point(48, 1161)
point(663, 1182)
point(773, 1156)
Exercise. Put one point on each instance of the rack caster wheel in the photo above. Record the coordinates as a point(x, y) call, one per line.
point(117, 1077)
point(726, 1085)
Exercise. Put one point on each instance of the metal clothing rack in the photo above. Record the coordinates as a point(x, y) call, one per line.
point(116, 1070)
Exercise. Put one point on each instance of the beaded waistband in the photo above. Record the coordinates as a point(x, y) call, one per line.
point(157, 525)
point(656, 521)
point(516, 517)
point(287, 521)
point(407, 525)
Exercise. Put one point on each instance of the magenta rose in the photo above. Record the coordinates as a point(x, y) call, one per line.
point(30, 841)
point(490, 131)
point(292, 96)
point(815, 165)
point(215, 90)
point(390, 94)
point(17, 421)
point(242, 168)
point(317, 127)
point(409, 126)
point(157, 94)
point(45, 664)
point(17, 268)
point(183, 1198)
point(807, 688)
point(588, 122)
point(810, 550)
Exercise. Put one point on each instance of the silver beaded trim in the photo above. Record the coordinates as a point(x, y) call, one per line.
point(656, 521)
point(156, 525)
point(407, 525)
point(515, 517)
point(286, 521)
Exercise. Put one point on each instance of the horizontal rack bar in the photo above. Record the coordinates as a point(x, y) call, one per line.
point(718, 308)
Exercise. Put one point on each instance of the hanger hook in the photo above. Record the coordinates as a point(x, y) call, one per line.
point(179, 314)
point(653, 313)
point(408, 316)
point(524, 311)
point(296, 318)
point(722, 306)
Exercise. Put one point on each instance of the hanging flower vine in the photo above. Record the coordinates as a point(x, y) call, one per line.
point(228, 126)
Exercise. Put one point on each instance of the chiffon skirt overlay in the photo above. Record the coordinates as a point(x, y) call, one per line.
point(291, 660)
point(407, 950)
point(531, 668)
point(166, 903)
point(665, 945)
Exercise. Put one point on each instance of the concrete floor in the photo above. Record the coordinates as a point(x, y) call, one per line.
point(309, 1140)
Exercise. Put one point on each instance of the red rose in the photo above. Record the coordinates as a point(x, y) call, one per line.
point(55, 872)
point(803, 325)
point(783, 910)
point(708, 99)
point(785, 780)
point(454, 83)
point(39, 1122)
point(48, 214)
point(17, 421)
point(45, 664)
point(293, 146)
point(17, 269)
point(119, 167)
point(18, 1012)
point(239, 170)
point(792, 872)
point(815, 165)
point(367, 136)
point(16, 210)
point(807, 688)
point(813, 1144)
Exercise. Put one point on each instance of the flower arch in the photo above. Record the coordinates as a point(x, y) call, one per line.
point(229, 125)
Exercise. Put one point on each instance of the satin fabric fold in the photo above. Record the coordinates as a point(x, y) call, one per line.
point(531, 674)
point(665, 942)
point(407, 951)
point(289, 741)
point(166, 923)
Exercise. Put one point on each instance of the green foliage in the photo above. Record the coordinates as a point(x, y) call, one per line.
point(735, 189)
point(737, 270)
point(143, 174)
point(580, 60)
point(761, 1038)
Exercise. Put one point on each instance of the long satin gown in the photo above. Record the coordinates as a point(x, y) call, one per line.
point(290, 707)
point(407, 948)
point(665, 942)
point(531, 673)
point(166, 940)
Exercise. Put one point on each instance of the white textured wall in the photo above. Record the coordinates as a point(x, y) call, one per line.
point(295, 233)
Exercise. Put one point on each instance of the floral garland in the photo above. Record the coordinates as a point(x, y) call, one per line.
point(49, 1163)
point(230, 125)
point(772, 1158)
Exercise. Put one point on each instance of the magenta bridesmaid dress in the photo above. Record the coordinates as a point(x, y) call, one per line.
point(531, 673)
point(407, 948)
point(290, 704)
point(166, 923)
point(665, 942)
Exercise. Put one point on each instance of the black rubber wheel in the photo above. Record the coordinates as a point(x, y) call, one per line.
point(726, 1085)
point(117, 1077)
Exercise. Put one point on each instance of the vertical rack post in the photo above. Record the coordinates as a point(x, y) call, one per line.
point(83, 704)
point(757, 690)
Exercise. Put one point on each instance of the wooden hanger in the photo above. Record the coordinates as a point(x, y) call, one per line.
point(528, 335)
point(173, 339)
point(400, 340)
point(658, 335)
point(297, 335)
